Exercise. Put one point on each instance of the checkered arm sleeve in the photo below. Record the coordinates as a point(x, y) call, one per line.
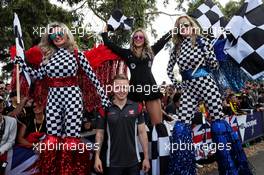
point(90, 73)
point(36, 74)
point(211, 60)
point(170, 73)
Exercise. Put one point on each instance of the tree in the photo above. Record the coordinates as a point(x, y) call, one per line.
point(231, 8)
point(33, 15)
point(142, 13)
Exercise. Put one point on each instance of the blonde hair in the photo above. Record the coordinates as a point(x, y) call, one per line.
point(147, 51)
point(177, 38)
point(46, 45)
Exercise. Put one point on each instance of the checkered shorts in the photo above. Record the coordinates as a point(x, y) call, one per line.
point(200, 89)
point(64, 111)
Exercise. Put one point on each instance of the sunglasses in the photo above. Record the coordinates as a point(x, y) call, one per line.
point(185, 25)
point(54, 35)
point(138, 37)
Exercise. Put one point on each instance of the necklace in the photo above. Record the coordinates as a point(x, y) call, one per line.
point(35, 122)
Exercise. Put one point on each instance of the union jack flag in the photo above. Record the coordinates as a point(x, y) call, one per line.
point(21, 161)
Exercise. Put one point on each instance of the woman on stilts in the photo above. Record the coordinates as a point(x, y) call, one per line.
point(191, 51)
point(60, 63)
point(139, 58)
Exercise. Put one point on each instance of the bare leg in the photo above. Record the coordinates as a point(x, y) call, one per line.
point(154, 110)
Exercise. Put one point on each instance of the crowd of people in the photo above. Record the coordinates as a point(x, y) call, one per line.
point(250, 97)
point(30, 126)
point(118, 123)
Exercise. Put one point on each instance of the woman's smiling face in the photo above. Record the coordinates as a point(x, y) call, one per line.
point(58, 36)
point(185, 27)
point(139, 39)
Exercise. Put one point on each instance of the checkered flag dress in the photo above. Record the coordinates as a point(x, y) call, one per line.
point(245, 42)
point(65, 106)
point(210, 18)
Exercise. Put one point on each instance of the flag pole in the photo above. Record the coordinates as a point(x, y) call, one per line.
point(17, 84)
point(20, 53)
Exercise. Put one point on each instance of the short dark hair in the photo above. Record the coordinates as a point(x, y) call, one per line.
point(13, 94)
point(120, 77)
point(176, 97)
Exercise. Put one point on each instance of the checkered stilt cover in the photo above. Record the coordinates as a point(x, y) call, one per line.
point(159, 141)
point(245, 42)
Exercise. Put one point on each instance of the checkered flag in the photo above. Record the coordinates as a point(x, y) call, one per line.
point(210, 18)
point(119, 21)
point(245, 40)
point(19, 43)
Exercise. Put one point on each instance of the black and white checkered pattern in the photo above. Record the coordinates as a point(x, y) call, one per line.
point(189, 58)
point(202, 88)
point(170, 67)
point(210, 17)
point(159, 149)
point(119, 21)
point(20, 44)
point(64, 111)
point(245, 43)
point(89, 71)
point(65, 106)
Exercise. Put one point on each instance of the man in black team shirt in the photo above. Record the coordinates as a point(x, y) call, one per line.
point(122, 120)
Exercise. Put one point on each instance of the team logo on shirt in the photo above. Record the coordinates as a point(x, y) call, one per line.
point(133, 65)
point(111, 113)
point(131, 112)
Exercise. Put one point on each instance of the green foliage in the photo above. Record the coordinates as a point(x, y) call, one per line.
point(143, 12)
point(231, 8)
point(32, 15)
point(194, 5)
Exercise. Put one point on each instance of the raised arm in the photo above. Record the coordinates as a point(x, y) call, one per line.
point(161, 42)
point(90, 73)
point(124, 53)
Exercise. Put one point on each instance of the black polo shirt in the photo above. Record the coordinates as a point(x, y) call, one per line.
point(121, 128)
